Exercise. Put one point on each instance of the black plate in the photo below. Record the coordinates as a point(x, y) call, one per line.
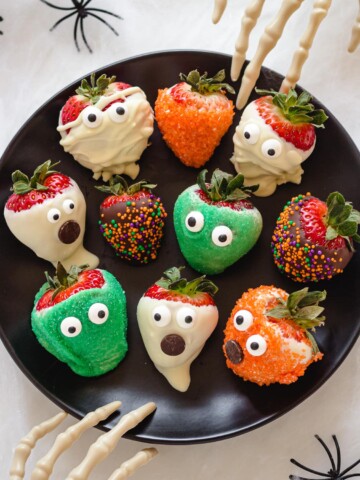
point(217, 404)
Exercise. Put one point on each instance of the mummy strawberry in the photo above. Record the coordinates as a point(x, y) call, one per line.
point(194, 115)
point(267, 336)
point(79, 316)
point(132, 220)
point(215, 223)
point(314, 240)
point(275, 135)
point(175, 318)
point(47, 214)
point(106, 126)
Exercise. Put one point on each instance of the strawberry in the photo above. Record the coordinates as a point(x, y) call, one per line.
point(313, 240)
point(267, 337)
point(175, 318)
point(275, 135)
point(47, 213)
point(132, 220)
point(79, 316)
point(216, 223)
point(194, 115)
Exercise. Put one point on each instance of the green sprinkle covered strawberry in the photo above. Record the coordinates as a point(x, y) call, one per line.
point(314, 240)
point(215, 223)
point(80, 317)
point(132, 220)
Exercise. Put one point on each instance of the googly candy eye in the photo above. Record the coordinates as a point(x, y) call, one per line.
point(161, 316)
point(185, 317)
point(98, 313)
point(271, 148)
point(53, 215)
point(92, 117)
point(222, 236)
point(256, 345)
point(118, 112)
point(194, 221)
point(71, 327)
point(251, 133)
point(243, 319)
point(68, 205)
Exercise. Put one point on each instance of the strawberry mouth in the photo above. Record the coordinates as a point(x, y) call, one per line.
point(69, 232)
point(234, 352)
point(172, 345)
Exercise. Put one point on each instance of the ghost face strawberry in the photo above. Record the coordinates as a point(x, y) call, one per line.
point(175, 318)
point(132, 220)
point(47, 213)
point(80, 317)
point(267, 338)
point(215, 223)
point(194, 115)
point(313, 240)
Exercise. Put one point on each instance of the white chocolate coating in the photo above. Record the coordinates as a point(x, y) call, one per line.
point(111, 147)
point(299, 348)
point(33, 228)
point(259, 168)
point(175, 368)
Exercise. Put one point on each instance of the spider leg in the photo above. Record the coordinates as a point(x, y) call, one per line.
point(105, 22)
point(296, 477)
point(55, 6)
point(307, 469)
point(219, 8)
point(331, 458)
point(338, 454)
point(76, 25)
point(61, 20)
point(83, 34)
point(104, 11)
point(350, 468)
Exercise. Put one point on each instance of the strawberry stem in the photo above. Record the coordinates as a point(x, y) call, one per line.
point(118, 186)
point(62, 278)
point(96, 88)
point(204, 85)
point(172, 280)
point(224, 186)
point(341, 219)
point(23, 184)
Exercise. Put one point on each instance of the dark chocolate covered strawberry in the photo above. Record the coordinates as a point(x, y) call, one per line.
point(132, 220)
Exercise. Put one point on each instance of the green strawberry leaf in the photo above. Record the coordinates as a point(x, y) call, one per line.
point(205, 85)
point(172, 280)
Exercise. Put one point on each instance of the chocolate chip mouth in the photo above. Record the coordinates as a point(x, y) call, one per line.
point(234, 352)
point(172, 345)
point(69, 232)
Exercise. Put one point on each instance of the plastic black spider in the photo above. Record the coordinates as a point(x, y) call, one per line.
point(1, 19)
point(79, 9)
point(335, 472)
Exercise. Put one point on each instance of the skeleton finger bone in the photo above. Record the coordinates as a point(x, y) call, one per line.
point(355, 34)
point(219, 8)
point(97, 452)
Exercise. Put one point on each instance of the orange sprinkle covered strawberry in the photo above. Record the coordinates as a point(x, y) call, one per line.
point(194, 115)
point(267, 338)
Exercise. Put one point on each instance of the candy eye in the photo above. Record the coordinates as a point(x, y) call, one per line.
point(271, 148)
point(222, 236)
point(194, 221)
point(185, 317)
point(92, 117)
point(98, 313)
point(53, 215)
point(68, 206)
point(71, 327)
point(161, 316)
point(251, 133)
point(256, 345)
point(243, 319)
point(118, 112)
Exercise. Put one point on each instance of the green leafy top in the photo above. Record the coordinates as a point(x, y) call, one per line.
point(172, 280)
point(224, 186)
point(62, 278)
point(341, 219)
point(297, 109)
point(204, 85)
point(23, 184)
point(118, 186)
point(96, 88)
point(303, 308)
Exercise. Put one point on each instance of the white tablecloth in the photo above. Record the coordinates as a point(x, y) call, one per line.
point(35, 64)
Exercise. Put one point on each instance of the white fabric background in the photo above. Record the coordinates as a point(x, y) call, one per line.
point(35, 64)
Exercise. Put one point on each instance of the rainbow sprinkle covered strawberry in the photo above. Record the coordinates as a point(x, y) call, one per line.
point(194, 115)
point(314, 240)
point(215, 223)
point(267, 338)
point(79, 316)
point(47, 214)
point(132, 220)
point(275, 135)
point(175, 318)
point(106, 126)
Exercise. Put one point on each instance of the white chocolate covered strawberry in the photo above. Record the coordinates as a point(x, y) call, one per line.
point(175, 318)
point(47, 214)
